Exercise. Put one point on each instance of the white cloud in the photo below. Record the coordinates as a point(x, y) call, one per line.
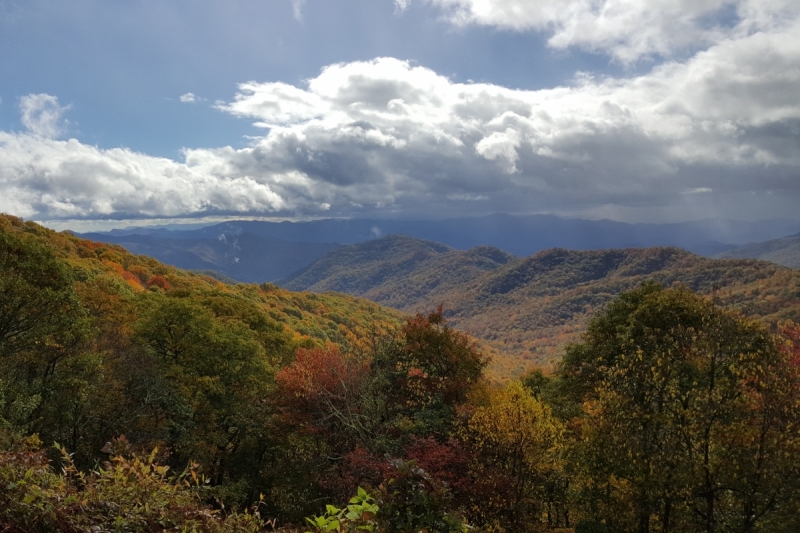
point(626, 29)
point(467, 197)
point(188, 98)
point(275, 103)
point(44, 178)
point(401, 5)
point(41, 115)
point(501, 145)
point(390, 137)
point(385, 132)
point(297, 9)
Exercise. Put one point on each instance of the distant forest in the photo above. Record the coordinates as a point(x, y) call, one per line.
point(527, 310)
point(137, 397)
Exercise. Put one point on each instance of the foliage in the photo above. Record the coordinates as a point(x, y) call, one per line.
point(126, 493)
point(358, 515)
point(528, 309)
point(95, 342)
point(362, 407)
point(689, 418)
point(517, 444)
point(410, 501)
point(414, 501)
point(674, 413)
point(428, 373)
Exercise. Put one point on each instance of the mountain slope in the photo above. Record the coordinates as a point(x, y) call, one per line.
point(397, 270)
point(109, 273)
point(784, 251)
point(529, 308)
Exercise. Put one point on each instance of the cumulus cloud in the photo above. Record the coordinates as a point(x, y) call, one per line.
point(388, 137)
point(626, 29)
point(188, 98)
point(386, 132)
point(41, 115)
point(47, 178)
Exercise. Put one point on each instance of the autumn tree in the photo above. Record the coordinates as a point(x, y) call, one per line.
point(675, 414)
point(47, 369)
point(209, 385)
point(428, 372)
point(322, 392)
point(517, 444)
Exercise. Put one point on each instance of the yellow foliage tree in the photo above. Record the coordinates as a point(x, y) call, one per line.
point(517, 444)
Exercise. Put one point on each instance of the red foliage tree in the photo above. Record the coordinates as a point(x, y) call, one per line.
point(359, 468)
point(448, 462)
point(159, 281)
point(319, 390)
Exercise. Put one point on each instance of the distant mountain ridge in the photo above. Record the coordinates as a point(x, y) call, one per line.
point(529, 308)
point(784, 251)
point(258, 251)
point(519, 235)
point(241, 256)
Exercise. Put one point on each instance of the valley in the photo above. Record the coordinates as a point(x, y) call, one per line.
point(784, 251)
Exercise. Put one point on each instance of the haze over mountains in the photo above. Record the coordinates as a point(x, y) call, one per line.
point(256, 251)
point(784, 251)
point(237, 256)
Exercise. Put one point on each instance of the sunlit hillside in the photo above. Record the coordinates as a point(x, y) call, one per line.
point(528, 309)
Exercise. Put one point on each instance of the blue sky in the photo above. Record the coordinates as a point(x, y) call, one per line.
point(648, 110)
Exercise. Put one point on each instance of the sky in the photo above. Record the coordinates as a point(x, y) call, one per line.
point(146, 111)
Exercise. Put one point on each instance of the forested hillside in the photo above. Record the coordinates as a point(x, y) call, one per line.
point(96, 342)
point(528, 309)
point(397, 270)
point(136, 397)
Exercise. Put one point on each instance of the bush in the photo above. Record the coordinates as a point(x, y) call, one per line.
point(125, 494)
point(409, 502)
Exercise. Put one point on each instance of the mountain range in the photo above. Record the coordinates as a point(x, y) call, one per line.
point(527, 309)
point(257, 251)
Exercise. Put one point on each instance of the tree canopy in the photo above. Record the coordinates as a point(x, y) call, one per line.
point(181, 403)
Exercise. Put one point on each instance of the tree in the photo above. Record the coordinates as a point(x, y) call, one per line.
point(209, 391)
point(677, 417)
point(428, 372)
point(47, 369)
point(321, 391)
point(518, 445)
point(38, 303)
